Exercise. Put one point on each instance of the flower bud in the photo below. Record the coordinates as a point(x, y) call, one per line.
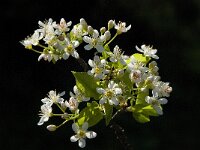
point(64, 116)
point(51, 127)
point(103, 30)
point(90, 30)
point(111, 24)
point(107, 35)
point(83, 23)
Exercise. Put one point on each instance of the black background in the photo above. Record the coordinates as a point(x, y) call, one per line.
point(172, 26)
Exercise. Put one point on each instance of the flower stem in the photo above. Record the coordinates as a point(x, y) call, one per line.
point(111, 39)
point(60, 108)
point(41, 45)
point(36, 51)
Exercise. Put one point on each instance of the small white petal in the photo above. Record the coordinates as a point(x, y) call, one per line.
point(74, 138)
point(99, 48)
point(118, 91)
point(75, 127)
point(100, 90)
point(158, 109)
point(114, 101)
point(90, 134)
point(162, 101)
point(81, 143)
point(102, 101)
point(85, 126)
point(88, 47)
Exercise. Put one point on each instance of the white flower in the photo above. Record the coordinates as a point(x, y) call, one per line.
point(153, 68)
point(70, 49)
point(48, 30)
point(78, 95)
point(155, 103)
point(78, 31)
point(117, 55)
point(53, 98)
point(111, 93)
point(148, 51)
point(45, 114)
point(136, 65)
point(162, 89)
point(72, 104)
point(98, 67)
point(82, 134)
point(121, 27)
point(48, 56)
point(63, 26)
point(95, 41)
point(136, 76)
point(33, 40)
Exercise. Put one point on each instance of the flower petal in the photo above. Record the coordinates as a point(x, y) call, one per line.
point(74, 138)
point(88, 47)
point(85, 126)
point(90, 134)
point(75, 127)
point(81, 143)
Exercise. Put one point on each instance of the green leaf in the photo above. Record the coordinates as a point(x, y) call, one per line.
point(108, 112)
point(91, 114)
point(148, 110)
point(86, 84)
point(125, 78)
point(141, 58)
point(141, 97)
point(104, 53)
point(142, 113)
point(141, 117)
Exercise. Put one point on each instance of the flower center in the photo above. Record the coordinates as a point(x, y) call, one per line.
point(94, 42)
point(70, 48)
point(81, 133)
point(109, 94)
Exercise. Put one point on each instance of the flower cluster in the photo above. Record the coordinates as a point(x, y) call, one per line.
point(115, 82)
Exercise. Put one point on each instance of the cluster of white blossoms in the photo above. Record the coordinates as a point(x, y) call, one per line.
point(114, 81)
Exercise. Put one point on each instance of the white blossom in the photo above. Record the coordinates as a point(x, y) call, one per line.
point(70, 49)
point(136, 76)
point(121, 27)
point(148, 51)
point(48, 30)
point(72, 104)
point(111, 93)
point(82, 134)
point(48, 56)
point(46, 111)
point(63, 26)
point(117, 55)
point(162, 89)
point(136, 65)
point(155, 103)
point(53, 98)
point(78, 95)
point(95, 41)
point(33, 40)
point(98, 67)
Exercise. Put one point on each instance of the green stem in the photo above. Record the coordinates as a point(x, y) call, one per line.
point(111, 39)
point(41, 45)
point(60, 108)
point(36, 51)
point(72, 118)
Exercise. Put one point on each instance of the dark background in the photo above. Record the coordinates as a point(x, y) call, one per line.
point(172, 26)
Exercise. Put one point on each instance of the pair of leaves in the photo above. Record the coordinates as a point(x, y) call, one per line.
point(142, 113)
